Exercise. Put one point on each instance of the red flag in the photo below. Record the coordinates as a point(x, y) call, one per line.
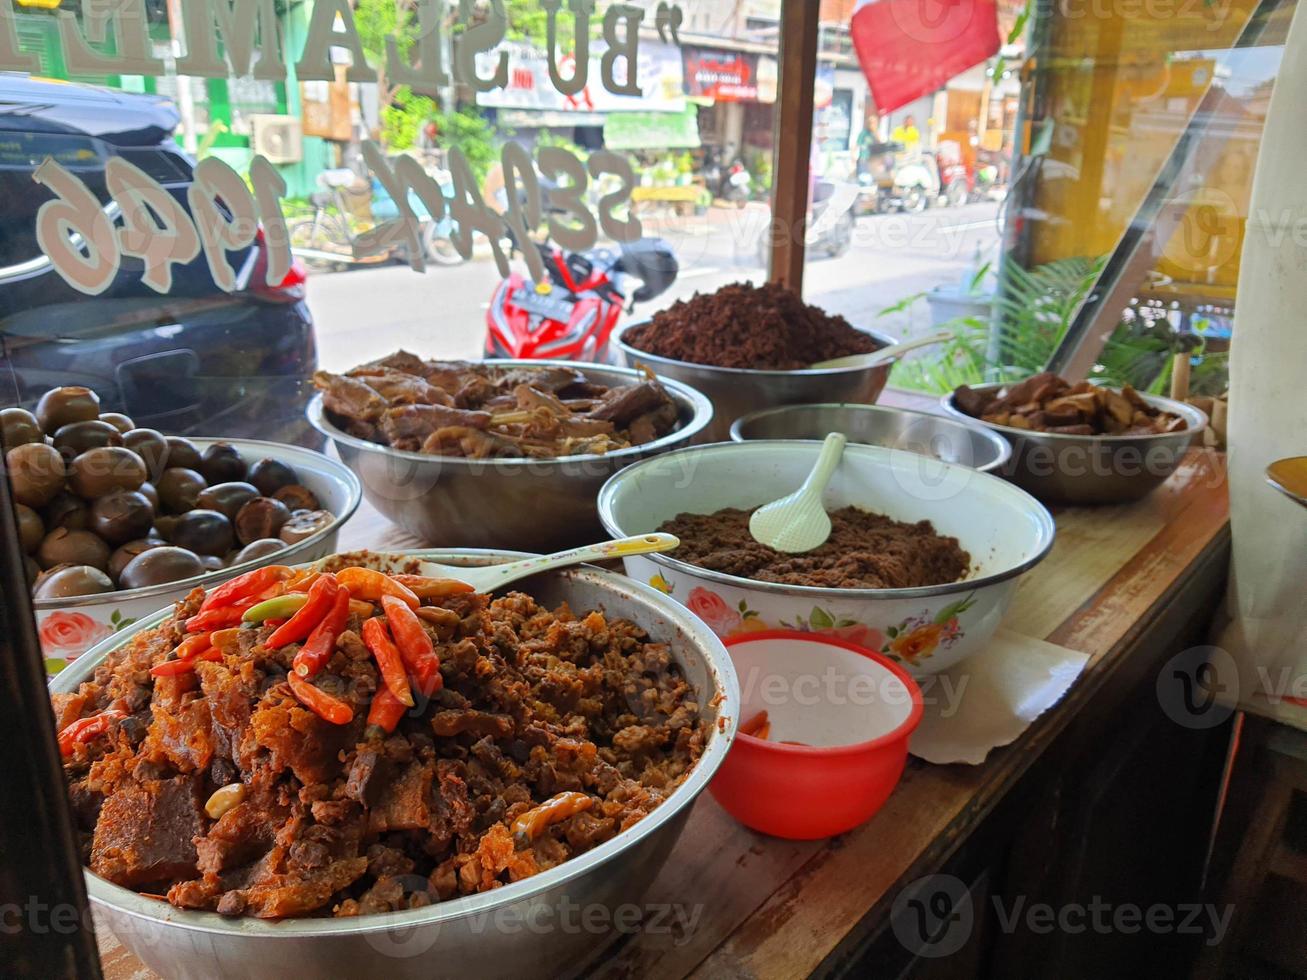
point(910, 48)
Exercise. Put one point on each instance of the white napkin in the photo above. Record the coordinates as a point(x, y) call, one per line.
point(992, 697)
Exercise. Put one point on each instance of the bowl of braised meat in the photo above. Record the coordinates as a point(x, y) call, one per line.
point(1081, 443)
point(498, 454)
point(322, 770)
point(922, 561)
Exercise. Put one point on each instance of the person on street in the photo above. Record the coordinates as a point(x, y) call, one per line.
point(907, 133)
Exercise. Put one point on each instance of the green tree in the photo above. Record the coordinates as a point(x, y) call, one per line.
point(377, 20)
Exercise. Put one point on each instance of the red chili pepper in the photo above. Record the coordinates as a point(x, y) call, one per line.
point(318, 701)
point(85, 729)
point(386, 710)
point(187, 651)
point(370, 584)
point(216, 619)
point(425, 587)
point(377, 639)
point(171, 668)
point(414, 644)
point(322, 597)
point(244, 586)
point(320, 645)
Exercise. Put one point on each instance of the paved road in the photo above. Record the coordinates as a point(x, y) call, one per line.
point(367, 312)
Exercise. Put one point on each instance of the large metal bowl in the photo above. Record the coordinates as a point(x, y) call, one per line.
point(68, 627)
point(538, 505)
point(922, 433)
point(926, 629)
point(738, 391)
point(1066, 469)
point(541, 926)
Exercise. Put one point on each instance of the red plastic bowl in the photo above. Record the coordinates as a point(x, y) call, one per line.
point(852, 709)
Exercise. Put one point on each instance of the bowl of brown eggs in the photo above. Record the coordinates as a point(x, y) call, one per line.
point(117, 521)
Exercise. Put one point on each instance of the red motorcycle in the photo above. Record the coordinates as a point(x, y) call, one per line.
point(571, 314)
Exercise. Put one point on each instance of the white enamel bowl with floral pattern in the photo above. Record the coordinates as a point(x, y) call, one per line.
point(927, 630)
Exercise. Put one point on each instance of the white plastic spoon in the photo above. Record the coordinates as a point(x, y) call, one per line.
point(885, 353)
point(488, 578)
point(799, 522)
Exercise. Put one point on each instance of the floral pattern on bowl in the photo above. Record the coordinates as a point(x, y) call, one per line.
point(66, 635)
point(925, 635)
point(909, 641)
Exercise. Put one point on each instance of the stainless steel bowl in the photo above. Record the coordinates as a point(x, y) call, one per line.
point(538, 505)
point(541, 926)
point(1067, 469)
point(738, 391)
point(68, 627)
point(880, 425)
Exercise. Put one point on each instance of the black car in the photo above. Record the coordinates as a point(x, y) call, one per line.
point(197, 360)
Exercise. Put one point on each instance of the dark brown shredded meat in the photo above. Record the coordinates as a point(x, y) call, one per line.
point(349, 820)
point(864, 551)
point(767, 328)
point(480, 411)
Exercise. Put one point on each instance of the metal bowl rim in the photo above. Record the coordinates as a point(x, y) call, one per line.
point(1195, 420)
point(721, 734)
point(884, 339)
point(700, 404)
point(1048, 530)
point(338, 469)
point(994, 439)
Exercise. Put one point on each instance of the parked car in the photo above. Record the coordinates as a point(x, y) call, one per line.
point(197, 360)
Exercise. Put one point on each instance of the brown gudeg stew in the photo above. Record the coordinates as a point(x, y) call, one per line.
point(260, 769)
point(482, 410)
point(864, 551)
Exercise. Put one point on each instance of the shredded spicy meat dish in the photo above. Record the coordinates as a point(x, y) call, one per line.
point(273, 768)
point(864, 551)
point(766, 328)
point(481, 410)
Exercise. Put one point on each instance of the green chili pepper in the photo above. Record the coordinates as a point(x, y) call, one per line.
point(278, 607)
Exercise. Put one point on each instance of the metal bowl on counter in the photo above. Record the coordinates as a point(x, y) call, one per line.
point(738, 391)
point(538, 505)
point(926, 629)
point(70, 626)
point(922, 433)
point(540, 926)
point(1069, 469)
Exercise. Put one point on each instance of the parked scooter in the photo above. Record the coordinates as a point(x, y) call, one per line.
point(916, 182)
point(571, 314)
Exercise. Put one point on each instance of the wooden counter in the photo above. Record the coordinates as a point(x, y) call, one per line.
point(1128, 586)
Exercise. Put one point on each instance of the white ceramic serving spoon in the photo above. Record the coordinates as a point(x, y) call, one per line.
point(488, 578)
point(884, 354)
point(799, 522)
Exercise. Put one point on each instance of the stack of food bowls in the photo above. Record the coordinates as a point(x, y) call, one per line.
point(926, 629)
point(535, 923)
point(69, 626)
point(737, 391)
point(537, 505)
point(1074, 469)
point(880, 425)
